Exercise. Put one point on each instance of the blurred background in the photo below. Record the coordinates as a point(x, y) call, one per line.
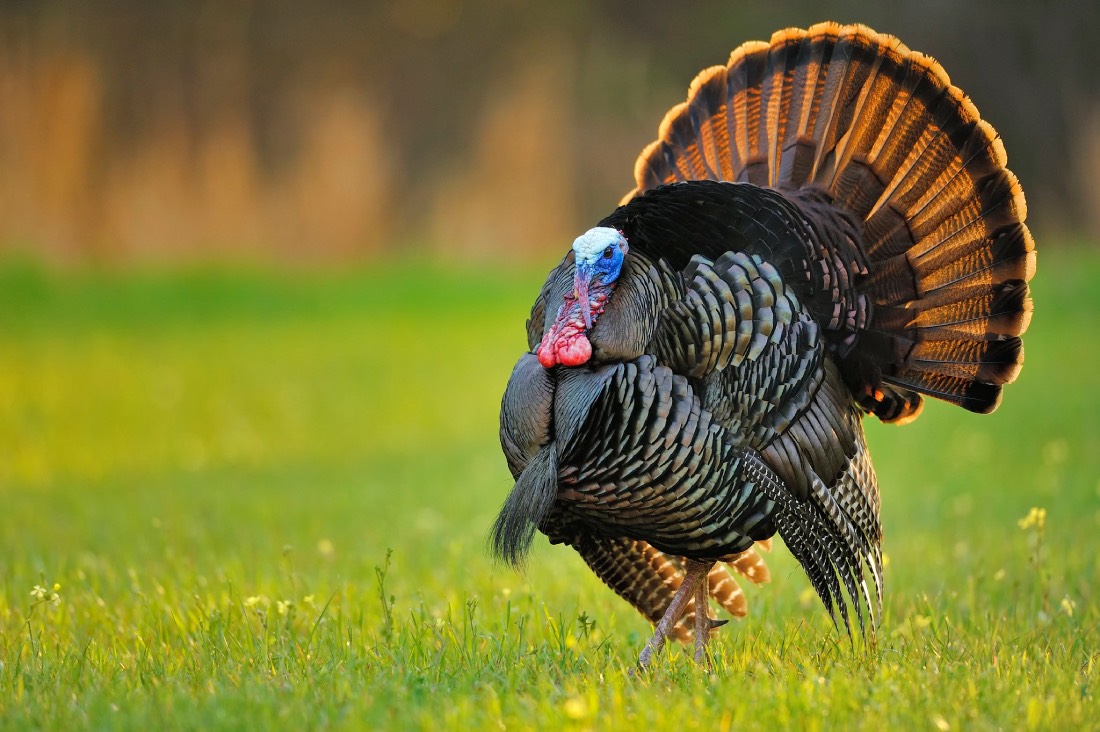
point(264, 272)
point(214, 130)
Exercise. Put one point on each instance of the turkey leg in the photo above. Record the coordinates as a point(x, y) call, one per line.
point(694, 577)
point(703, 623)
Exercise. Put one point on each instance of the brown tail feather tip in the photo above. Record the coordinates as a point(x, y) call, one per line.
point(1010, 312)
point(1002, 361)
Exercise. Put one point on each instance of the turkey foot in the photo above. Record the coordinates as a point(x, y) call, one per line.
point(695, 578)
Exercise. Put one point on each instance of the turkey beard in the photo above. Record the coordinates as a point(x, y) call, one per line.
point(566, 341)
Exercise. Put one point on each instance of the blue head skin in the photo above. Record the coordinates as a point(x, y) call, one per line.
point(599, 253)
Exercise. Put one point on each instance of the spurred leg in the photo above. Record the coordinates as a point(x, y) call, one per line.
point(695, 573)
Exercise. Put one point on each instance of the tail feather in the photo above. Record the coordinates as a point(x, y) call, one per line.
point(1010, 256)
point(745, 119)
point(1001, 311)
point(993, 362)
point(714, 139)
point(858, 72)
point(792, 154)
point(945, 255)
point(774, 102)
point(974, 396)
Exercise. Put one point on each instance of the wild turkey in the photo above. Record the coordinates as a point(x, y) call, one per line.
point(825, 228)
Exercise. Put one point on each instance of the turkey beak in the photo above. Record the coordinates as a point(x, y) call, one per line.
point(580, 291)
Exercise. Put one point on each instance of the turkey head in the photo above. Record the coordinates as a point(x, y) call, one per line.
point(598, 256)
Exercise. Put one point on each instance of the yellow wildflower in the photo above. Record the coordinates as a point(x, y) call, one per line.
point(575, 708)
point(1037, 517)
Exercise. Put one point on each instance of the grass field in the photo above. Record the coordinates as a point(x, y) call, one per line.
point(205, 475)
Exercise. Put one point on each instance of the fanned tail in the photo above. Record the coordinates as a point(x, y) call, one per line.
point(844, 117)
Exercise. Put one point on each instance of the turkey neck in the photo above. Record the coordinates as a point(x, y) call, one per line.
point(623, 322)
point(630, 316)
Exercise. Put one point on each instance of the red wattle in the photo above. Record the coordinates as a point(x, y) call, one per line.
point(547, 356)
point(566, 340)
point(575, 351)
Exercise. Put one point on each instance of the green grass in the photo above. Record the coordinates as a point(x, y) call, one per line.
point(215, 466)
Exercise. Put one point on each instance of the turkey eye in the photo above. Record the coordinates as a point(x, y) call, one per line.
point(607, 253)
